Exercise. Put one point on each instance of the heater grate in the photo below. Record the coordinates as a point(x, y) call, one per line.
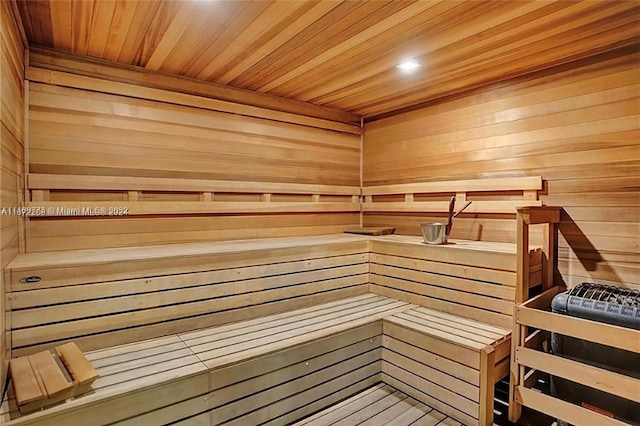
point(598, 302)
point(607, 293)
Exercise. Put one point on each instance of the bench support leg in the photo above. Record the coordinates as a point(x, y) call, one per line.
point(487, 385)
point(522, 294)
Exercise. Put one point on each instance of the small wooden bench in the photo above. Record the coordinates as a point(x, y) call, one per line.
point(447, 361)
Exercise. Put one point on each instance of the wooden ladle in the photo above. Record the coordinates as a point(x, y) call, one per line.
point(452, 204)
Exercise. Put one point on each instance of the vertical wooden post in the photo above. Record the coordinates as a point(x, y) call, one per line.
point(522, 293)
point(266, 198)
point(315, 198)
point(549, 244)
point(487, 364)
point(206, 196)
point(132, 196)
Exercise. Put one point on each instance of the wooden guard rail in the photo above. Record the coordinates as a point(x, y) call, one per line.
point(522, 192)
point(134, 190)
point(530, 361)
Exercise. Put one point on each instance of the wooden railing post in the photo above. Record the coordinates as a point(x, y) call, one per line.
point(529, 216)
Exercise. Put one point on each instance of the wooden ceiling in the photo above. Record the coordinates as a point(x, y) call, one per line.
point(339, 54)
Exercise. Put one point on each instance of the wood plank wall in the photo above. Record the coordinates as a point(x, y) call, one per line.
point(103, 131)
point(12, 150)
point(576, 125)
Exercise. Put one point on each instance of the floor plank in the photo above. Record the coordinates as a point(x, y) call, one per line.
point(378, 405)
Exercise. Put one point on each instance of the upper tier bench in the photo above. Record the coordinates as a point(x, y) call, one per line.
point(107, 297)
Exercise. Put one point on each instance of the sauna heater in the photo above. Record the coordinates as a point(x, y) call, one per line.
point(606, 304)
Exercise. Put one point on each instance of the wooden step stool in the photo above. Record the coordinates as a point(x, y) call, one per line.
point(49, 377)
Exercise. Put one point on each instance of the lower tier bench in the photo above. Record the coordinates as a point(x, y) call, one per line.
point(279, 368)
point(282, 368)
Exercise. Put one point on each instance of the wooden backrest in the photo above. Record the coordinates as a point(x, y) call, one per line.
point(69, 212)
point(488, 195)
point(490, 217)
point(63, 195)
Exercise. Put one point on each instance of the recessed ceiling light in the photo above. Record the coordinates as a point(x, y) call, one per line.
point(408, 66)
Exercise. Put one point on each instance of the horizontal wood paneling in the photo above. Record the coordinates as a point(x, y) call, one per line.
point(84, 133)
point(12, 134)
point(337, 54)
point(577, 126)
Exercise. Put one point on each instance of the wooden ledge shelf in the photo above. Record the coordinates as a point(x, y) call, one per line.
point(146, 208)
point(489, 196)
point(56, 195)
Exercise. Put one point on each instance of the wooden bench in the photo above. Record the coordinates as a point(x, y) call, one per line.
point(468, 289)
point(451, 351)
point(131, 294)
point(276, 368)
point(446, 361)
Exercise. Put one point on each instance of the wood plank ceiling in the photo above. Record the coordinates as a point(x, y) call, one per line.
point(339, 54)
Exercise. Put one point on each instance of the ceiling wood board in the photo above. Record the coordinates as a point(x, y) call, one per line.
point(337, 54)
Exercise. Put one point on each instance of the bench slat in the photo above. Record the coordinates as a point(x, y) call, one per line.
point(461, 271)
point(457, 340)
point(91, 291)
point(244, 339)
point(25, 337)
point(453, 328)
point(198, 337)
point(216, 358)
point(444, 380)
point(496, 333)
point(154, 299)
point(433, 359)
point(449, 296)
point(454, 283)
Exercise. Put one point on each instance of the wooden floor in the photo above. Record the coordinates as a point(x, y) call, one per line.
point(377, 406)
